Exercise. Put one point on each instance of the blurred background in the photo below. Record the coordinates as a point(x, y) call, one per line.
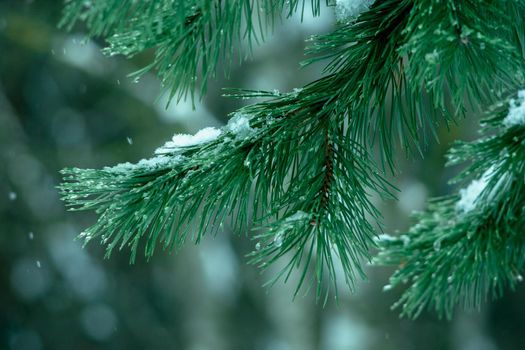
point(64, 104)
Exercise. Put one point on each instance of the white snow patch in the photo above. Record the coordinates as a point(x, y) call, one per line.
point(278, 240)
point(470, 195)
point(239, 125)
point(296, 91)
point(299, 215)
point(516, 114)
point(349, 9)
point(146, 164)
point(202, 136)
point(385, 238)
point(185, 140)
point(405, 239)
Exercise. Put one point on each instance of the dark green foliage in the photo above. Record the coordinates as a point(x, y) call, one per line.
point(190, 38)
point(467, 48)
point(303, 172)
point(461, 256)
point(283, 167)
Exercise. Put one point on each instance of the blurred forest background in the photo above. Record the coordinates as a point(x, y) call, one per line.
point(64, 104)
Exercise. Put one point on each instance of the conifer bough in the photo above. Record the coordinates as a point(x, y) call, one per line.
point(297, 166)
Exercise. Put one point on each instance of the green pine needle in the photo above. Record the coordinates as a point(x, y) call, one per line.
point(277, 166)
point(299, 166)
point(469, 247)
point(190, 39)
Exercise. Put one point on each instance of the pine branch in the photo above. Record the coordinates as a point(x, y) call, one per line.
point(469, 246)
point(470, 56)
point(189, 38)
point(297, 163)
point(394, 68)
point(326, 212)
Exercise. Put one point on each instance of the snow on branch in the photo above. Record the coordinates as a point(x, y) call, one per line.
point(516, 114)
point(349, 9)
